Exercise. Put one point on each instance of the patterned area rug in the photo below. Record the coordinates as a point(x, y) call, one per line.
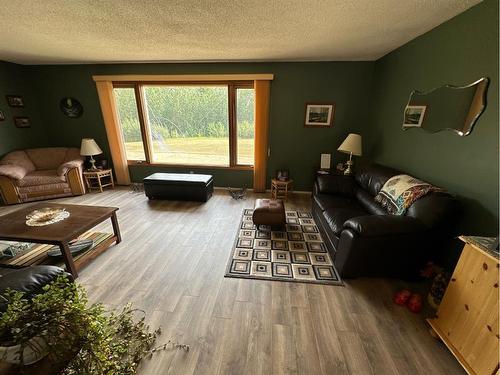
point(296, 253)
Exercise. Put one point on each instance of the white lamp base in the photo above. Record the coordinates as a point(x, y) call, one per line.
point(349, 171)
point(92, 164)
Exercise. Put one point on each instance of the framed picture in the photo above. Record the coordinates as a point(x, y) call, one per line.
point(282, 174)
point(2, 116)
point(414, 115)
point(22, 122)
point(319, 115)
point(15, 100)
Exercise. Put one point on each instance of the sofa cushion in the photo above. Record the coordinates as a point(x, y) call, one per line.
point(41, 178)
point(336, 184)
point(371, 178)
point(336, 217)
point(19, 158)
point(37, 192)
point(73, 153)
point(385, 225)
point(369, 204)
point(47, 158)
point(325, 201)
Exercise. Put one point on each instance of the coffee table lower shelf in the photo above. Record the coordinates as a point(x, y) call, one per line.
point(37, 254)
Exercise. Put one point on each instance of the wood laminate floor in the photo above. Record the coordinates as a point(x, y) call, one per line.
point(171, 264)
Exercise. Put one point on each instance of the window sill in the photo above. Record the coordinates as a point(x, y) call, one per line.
point(187, 166)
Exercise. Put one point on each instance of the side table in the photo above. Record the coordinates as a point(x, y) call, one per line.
point(98, 179)
point(280, 189)
point(467, 318)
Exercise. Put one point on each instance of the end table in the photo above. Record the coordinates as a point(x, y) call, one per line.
point(280, 189)
point(96, 179)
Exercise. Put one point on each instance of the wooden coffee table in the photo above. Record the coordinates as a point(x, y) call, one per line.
point(82, 218)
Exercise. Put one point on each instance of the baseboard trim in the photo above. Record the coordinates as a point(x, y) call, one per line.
point(267, 190)
point(250, 190)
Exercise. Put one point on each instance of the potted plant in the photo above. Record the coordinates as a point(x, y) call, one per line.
point(74, 336)
point(34, 350)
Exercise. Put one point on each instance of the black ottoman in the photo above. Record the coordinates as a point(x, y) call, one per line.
point(179, 186)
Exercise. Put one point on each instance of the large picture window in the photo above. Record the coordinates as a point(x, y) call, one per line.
point(192, 124)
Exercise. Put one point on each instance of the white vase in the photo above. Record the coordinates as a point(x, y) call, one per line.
point(34, 352)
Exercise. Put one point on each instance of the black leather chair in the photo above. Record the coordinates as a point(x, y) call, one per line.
point(29, 280)
point(364, 240)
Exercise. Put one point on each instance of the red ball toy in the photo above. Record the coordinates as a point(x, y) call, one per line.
point(402, 297)
point(415, 303)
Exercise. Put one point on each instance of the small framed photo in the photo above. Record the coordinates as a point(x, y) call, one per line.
point(414, 115)
point(319, 115)
point(22, 122)
point(15, 100)
point(2, 116)
point(282, 174)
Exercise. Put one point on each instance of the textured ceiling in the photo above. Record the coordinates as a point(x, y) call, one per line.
point(91, 31)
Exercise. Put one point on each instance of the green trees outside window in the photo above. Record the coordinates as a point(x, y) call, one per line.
point(187, 124)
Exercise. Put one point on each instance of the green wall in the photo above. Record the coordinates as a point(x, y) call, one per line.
point(347, 84)
point(16, 80)
point(370, 98)
point(457, 52)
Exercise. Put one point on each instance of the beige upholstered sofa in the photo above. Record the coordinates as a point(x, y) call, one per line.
point(41, 173)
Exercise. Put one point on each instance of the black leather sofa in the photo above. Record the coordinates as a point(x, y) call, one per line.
point(364, 240)
point(29, 280)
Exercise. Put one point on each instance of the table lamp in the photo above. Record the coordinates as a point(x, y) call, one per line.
point(351, 146)
point(90, 148)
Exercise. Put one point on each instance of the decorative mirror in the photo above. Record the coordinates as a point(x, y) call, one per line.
point(448, 107)
point(71, 107)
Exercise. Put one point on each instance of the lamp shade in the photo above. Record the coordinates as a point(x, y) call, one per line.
point(351, 145)
point(89, 147)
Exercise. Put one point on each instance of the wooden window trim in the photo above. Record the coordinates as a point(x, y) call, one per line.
point(145, 131)
point(232, 86)
point(190, 166)
point(183, 77)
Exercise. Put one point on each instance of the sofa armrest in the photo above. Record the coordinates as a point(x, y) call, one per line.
point(66, 166)
point(400, 255)
point(29, 280)
point(336, 184)
point(15, 172)
point(383, 225)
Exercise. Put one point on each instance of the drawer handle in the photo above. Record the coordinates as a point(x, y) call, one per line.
point(466, 307)
point(485, 266)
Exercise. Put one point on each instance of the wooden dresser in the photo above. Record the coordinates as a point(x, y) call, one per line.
point(467, 319)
